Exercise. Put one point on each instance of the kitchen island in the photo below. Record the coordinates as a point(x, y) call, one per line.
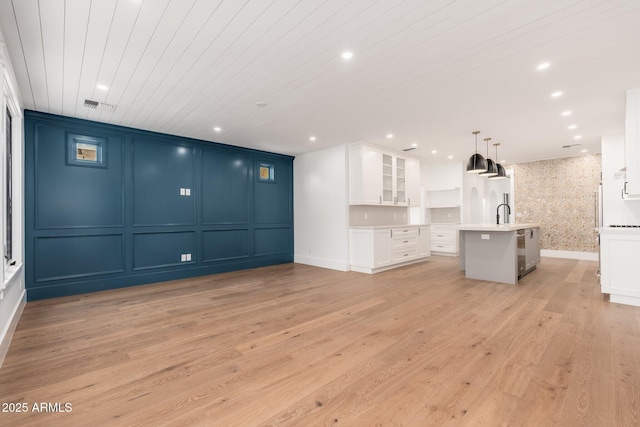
point(491, 252)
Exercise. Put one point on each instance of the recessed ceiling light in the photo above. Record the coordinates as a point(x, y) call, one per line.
point(450, 157)
point(389, 135)
point(556, 94)
point(543, 66)
point(312, 138)
point(566, 113)
point(571, 127)
point(415, 144)
point(584, 151)
point(434, 151)
point(217, 129)
point(102, 87)
point(577, 137)
point(347, 54)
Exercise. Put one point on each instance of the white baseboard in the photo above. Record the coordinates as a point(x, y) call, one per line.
point(388, 267)
point(322, 262)
point(624, 299)
point(586, 256)
point(7, 332)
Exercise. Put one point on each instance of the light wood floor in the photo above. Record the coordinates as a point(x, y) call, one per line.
point(294, 345)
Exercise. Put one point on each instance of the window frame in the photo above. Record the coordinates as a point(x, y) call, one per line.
point(8, 189)
point(10, 104)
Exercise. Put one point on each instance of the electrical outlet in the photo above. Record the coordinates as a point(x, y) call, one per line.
point(187, 191)
point(183, 191)
point(183, 257)
point(188, 257)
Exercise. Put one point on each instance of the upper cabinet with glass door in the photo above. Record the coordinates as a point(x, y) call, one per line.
point(379, 177)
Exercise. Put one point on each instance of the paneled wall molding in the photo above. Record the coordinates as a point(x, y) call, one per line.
point(59, 209)
point(109, 206)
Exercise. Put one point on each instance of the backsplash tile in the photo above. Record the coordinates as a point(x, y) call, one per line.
point(559, 195)
point(377, 215)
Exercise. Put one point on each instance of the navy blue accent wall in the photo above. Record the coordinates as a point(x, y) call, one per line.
point(151, 207)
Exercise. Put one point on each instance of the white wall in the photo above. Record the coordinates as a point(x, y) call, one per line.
point(12, 291)
point(482, 195)
point(441, 177)
point(615, 209)
point(321, 208)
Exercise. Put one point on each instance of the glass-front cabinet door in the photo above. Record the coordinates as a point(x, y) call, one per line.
point(401, 194)
point(387, 179)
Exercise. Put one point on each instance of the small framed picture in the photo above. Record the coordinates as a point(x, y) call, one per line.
point(85, 150)
point(266, 172)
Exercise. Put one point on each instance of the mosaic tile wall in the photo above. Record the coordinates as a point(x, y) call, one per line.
point(558, 194)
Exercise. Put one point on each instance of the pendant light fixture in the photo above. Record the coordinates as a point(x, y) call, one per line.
point(502, 174)
point(492, 169)
point(476, 163)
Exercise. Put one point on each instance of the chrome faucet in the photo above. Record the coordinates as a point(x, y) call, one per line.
point(498, 212)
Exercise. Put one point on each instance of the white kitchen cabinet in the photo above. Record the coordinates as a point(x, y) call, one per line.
point(379, 177)
point(424, 240)
point(412, 184)
point(381, 248)
point(631, 190)
point(618, 267)
point(444, 239)
point(366, 180)
point(404, 244)
point(370, 247)
point(374, 249)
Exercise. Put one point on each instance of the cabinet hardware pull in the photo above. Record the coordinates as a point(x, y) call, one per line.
point(419, 231)
point(390, 233)
point(625, 188)
point(409, 201)
point(380, 200)
point(406, 241)
point(406, 254)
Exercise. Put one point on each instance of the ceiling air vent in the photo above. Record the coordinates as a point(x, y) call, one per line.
point(570, 145)
point(409, 149)
point(97, 105)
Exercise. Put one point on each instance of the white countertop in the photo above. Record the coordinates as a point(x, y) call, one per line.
point(619, 230)
point(495, 227)
point(376, 227)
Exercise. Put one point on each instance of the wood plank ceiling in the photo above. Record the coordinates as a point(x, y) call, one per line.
point(430, 72)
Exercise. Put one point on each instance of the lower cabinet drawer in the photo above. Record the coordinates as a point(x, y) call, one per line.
point(443, 236)
point(404, 255)
point(442, 247)
point(400, 242)
point(404, 232)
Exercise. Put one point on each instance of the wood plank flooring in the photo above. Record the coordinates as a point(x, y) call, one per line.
point(294, 345)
